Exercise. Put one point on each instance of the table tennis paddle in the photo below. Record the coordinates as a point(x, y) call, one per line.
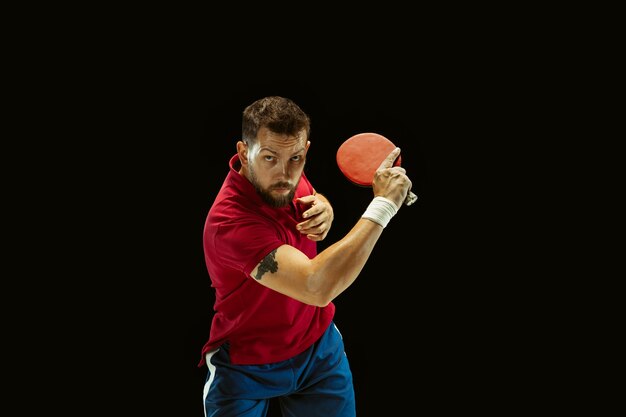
point(359, 157)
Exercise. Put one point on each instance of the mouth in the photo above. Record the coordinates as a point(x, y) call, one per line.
point(281, 188)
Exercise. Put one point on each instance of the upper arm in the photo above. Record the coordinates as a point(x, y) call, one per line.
point(289, 271)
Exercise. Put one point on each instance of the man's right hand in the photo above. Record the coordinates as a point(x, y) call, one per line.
point(391, 181)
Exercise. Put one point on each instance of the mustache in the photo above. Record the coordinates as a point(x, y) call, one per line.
point(281, 185)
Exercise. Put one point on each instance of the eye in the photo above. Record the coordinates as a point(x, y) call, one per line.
point(268, 158)
point(296, 158)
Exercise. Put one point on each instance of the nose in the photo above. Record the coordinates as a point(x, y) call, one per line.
point(284, 167)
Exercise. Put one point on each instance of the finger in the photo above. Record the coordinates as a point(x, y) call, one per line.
point(308, 225)
point(317, 236)
point(315, 209)
point(390, 159)
point(308, 199)
point(397, 170)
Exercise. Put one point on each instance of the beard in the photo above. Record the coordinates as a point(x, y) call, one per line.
point(266, 193)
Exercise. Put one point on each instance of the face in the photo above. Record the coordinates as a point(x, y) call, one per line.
point(274, 164)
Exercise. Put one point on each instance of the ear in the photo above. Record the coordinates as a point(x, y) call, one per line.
point(242, 151)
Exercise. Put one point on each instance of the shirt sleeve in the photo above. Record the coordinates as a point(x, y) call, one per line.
point(242, 244)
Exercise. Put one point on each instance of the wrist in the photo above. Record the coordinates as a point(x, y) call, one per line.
point(380, 211)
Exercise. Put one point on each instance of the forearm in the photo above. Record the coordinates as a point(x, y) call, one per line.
point(337, 267)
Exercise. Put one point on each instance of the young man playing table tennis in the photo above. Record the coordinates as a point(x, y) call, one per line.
point(272, 334)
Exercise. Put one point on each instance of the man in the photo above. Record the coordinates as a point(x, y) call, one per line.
point(272, 333)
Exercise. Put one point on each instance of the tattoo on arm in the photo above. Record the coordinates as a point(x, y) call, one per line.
point(267, 264)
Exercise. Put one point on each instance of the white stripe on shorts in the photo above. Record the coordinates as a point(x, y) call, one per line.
point(207, 385)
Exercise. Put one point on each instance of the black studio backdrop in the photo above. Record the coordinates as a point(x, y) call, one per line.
point(383, 315)
point(430, 318)
point(404, 321)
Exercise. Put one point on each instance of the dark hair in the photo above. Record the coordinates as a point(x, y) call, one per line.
point(278, 114)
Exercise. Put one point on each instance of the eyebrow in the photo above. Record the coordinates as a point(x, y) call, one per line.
point(275, 153)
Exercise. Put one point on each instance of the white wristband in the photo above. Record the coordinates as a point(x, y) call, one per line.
point(380, 211)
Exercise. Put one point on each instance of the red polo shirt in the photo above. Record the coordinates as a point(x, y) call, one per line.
point(261, 325)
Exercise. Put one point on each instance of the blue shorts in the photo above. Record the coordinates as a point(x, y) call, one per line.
point(315, 383)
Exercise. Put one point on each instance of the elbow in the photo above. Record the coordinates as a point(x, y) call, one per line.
point(321, 301)
point(318, 288)
point(314, 299)
point(319, 294)
point(318, 301)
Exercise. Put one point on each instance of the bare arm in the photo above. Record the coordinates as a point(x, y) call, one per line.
point(319, 280)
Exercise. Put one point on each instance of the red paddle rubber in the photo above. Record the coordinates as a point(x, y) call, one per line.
point(360, 156)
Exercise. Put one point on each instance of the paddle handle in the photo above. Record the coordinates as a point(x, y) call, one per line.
point(410, 198)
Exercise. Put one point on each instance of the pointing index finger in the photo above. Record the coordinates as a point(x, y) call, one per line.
point(390, 159)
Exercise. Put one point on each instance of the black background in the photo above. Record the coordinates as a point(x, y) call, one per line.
point(382, 316)
point(403, 320)
point(127, 136)
point(421, 327)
